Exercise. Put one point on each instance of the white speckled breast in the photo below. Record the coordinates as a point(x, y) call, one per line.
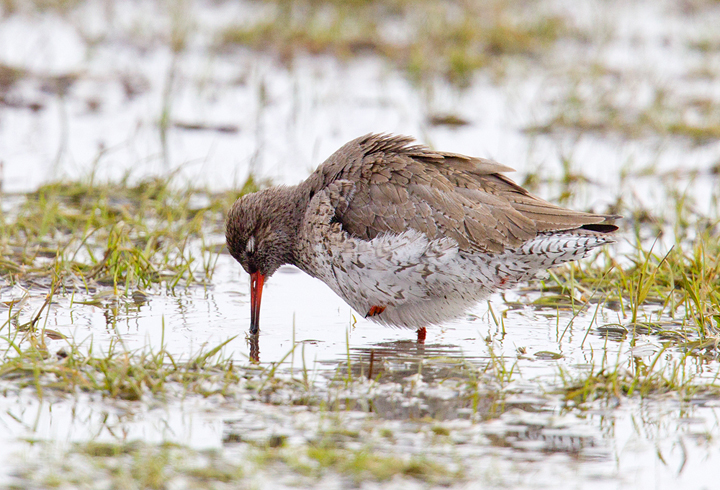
point(421, 282)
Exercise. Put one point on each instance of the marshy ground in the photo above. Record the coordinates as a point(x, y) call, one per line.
point(127, 129)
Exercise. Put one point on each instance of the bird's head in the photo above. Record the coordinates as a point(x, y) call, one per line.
point(260, 231)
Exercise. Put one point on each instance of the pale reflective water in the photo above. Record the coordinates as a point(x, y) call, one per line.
point(281, 121)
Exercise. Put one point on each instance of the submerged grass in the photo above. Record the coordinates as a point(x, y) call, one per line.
point(167, 465)
point(121, 235)
point(605, 101)
point(649, 288)
point(660, 374)
point(427, 38)
point(333, 450)
point(115, 373)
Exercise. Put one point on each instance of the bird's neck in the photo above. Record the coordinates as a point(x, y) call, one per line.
point(292, 214)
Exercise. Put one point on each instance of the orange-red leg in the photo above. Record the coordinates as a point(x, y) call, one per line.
point(375, 310)
point(422, 333)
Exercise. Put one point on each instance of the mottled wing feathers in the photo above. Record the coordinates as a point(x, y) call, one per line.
point(398, 187)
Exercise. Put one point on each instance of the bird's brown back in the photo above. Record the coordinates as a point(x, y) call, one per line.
point(400, 186)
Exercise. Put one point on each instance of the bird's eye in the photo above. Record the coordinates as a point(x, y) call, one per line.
point(250, 247)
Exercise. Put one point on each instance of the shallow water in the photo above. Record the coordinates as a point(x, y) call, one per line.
point(278, 121)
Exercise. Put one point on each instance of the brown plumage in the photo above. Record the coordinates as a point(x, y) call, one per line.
point(381, 186)
point(398, 186)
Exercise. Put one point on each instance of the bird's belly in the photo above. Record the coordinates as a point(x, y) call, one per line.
point(415, 297)
point(410, 281)
point(413, 280)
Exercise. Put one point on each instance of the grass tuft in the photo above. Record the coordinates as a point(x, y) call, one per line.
point(125, 236)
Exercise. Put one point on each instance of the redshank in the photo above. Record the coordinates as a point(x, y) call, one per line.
point(406, 235)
